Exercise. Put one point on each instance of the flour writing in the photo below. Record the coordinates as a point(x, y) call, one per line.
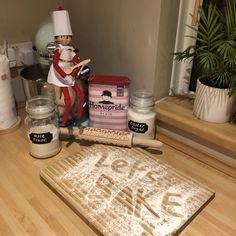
point(137, 189)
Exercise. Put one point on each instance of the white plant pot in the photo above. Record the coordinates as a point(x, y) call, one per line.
point(213, 104)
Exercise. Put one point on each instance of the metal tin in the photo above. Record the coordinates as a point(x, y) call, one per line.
point(108, 101)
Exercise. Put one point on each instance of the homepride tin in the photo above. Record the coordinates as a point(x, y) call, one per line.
point(108, 101)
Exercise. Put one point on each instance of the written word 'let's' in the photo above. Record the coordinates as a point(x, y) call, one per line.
point(133, 197)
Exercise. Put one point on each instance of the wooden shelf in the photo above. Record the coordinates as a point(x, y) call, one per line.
point(177, 112)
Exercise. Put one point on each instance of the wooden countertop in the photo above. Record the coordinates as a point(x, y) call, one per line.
point(29, 207)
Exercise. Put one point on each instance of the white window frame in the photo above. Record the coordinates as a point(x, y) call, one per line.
point(181, 71)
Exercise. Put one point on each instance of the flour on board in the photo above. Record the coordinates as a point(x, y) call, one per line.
point(130, 193)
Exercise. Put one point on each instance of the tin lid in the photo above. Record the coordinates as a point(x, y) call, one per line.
point(109, 80)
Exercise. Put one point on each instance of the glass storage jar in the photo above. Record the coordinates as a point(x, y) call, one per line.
point(43, 129)
point(141, 115)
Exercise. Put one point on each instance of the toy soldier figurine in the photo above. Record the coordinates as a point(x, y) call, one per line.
point(64, 57)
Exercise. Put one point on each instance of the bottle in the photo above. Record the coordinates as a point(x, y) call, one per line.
point(43, 129)
point(141, 115)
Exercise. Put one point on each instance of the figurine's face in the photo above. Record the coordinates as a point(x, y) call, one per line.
point(64, 39)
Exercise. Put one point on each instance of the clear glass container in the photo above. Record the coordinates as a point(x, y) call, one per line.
point(43, 129)
point(141, 115)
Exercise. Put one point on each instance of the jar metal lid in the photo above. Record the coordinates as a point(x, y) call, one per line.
point(40, 107)
point(142, 99)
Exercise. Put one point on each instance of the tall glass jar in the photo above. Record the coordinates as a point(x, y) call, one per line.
point(141, 115)
point(43, 129)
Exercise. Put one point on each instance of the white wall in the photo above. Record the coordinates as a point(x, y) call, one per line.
point(19, 19)
point(122, 37)
point(127, 37)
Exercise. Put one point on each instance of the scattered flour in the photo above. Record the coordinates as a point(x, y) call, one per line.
point(136, 193)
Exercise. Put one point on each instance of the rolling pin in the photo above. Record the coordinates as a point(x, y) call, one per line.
point(108, 136)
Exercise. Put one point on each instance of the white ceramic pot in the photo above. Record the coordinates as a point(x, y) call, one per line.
point(213, 104)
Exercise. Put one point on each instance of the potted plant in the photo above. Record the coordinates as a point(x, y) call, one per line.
point(215, 53)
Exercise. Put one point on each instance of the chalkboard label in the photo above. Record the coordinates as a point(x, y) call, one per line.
point(137, 127)
point(41, 138)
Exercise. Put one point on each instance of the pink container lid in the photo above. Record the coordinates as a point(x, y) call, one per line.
point(109, 80)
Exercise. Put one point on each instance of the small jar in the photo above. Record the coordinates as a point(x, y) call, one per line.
point(43, 129)
point(141, 115)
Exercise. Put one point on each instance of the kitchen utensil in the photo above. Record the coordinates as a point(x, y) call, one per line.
point(68, 70)
point(108, 136)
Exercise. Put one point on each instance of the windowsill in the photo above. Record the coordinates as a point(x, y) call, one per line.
point(175, 114)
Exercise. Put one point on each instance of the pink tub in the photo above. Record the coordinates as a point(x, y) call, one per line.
point(108, 101)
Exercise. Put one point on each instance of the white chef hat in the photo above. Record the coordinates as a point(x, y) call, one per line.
point(61, 22)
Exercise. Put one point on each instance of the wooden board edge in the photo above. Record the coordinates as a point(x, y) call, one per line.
point(195, 215)
point(50, 183)
point(93, 227)
point(70, 205)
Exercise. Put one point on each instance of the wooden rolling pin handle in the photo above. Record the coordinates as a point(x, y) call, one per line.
point(67, 131)
point(153, 143)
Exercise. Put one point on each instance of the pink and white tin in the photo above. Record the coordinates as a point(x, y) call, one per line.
point(108, 102)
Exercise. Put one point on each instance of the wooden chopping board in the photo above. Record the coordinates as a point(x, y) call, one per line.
point(122, 191)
